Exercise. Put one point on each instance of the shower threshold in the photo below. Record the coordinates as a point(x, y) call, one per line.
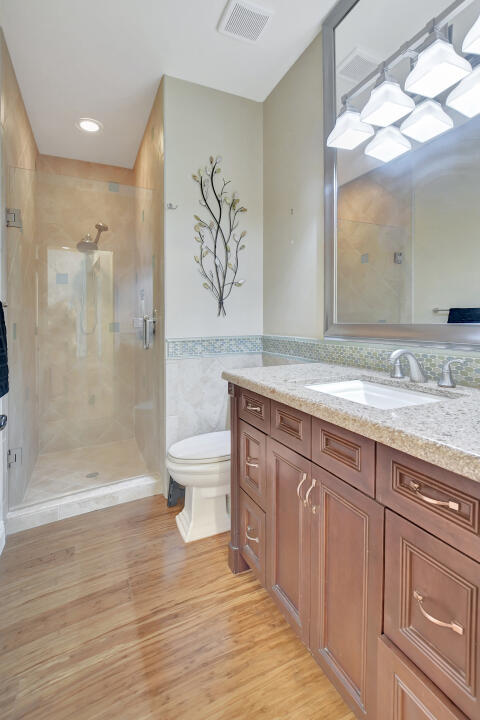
point(71, 482)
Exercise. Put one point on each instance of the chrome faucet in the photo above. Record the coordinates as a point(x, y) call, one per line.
point(417, 373)
point(446, 377)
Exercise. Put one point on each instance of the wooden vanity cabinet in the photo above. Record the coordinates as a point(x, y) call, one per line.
point(432, 611)
point(342, 532)
point(347, 581)
point(288, 545)
point(404, 693)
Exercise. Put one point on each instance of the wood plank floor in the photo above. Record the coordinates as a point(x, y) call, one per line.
point(111, 615)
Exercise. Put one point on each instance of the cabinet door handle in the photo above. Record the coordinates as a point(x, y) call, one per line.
point(253, 408)
point(306, 501)
point(299, 487)
point(456, 627)
point(249, 537)
point(451, 504)
point(249, 463)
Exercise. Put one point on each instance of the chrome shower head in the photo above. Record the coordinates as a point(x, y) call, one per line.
point(88, 244)
point(100, 227)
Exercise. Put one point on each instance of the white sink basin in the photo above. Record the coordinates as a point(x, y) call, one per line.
point(384, 397)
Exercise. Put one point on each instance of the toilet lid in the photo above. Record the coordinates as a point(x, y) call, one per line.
point(210, 447)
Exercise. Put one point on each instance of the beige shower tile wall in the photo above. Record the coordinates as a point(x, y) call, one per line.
point(85, 170)
point(86, 337)
point(19, 146)
point(149, 421)
point(374, 222)
point(19, 267)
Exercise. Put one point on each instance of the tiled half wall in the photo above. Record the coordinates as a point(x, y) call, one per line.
point(371, 355)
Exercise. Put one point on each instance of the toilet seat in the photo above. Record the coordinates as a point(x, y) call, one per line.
point(208, 448)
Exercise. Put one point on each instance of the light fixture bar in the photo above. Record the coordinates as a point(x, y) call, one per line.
point(440, 20)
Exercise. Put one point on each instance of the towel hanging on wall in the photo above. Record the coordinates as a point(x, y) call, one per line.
point(464, 315)
point(3, 355)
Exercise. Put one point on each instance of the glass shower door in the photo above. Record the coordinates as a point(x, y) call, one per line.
point(79, 416)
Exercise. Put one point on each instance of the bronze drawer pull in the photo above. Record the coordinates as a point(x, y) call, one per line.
point(249, 463)
point(451, 504)
point(304, 477)
point(306, 501)
point(249, 537)
point(456, 627)
point(253, 408)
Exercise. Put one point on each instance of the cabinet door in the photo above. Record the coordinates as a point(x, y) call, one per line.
point(347, 572)
point(288, 528)
point(252, 535)
point(404, 693)
point(432, 611)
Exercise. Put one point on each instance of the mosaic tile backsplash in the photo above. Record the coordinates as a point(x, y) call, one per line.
point(202, 346)
point(372, 355)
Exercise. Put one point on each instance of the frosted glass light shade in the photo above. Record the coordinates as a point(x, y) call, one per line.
point(388, 144)
point(471, 43)
point(438, 68)
point(427, 121)
point(465, 98)
point(387, 104)
point(349, 131)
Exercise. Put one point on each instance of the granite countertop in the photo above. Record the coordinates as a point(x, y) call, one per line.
point(445, 433)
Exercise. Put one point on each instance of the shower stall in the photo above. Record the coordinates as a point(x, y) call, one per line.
point(84, 405)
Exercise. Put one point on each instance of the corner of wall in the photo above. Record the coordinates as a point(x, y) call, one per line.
point(293, 200)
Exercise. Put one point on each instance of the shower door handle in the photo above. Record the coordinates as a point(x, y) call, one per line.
point(3, 422)
point(147, 319)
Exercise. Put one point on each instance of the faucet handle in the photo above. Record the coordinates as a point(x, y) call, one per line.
point(446, 377)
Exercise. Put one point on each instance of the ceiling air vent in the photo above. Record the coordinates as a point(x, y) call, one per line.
point(357, 65)
point(244, 20)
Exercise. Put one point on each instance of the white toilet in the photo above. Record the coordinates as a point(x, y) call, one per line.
point(202, 464)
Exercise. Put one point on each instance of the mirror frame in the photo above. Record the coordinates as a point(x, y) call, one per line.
point(465, 336)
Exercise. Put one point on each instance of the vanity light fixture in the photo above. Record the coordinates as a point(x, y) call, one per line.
point(427, 121)
point(471, 43)
point(387, 104)
point(465, 98)
point(438, 67)
point(388, 144)
point(349, 131)
point(89, 125)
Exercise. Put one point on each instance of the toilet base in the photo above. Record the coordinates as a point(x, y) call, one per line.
point(205, 513)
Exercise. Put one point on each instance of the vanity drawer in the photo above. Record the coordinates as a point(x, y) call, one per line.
point(254, 409)
point(252, 462)
point(252, 535)
point(345, 454)
point(291, 427)
point(432, 609)
point(404, 693)
point(443, 503)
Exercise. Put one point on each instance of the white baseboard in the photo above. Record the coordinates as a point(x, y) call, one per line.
point(2, 536)
point(78, 503)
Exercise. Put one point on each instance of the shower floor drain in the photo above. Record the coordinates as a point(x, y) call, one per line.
point(92, 475)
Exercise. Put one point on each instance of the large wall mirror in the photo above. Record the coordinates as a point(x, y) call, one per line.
point(402, 170)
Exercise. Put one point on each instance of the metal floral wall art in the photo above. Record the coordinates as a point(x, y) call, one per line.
point(217, 234)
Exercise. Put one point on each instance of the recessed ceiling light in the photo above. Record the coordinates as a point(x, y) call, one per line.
point(89, 125)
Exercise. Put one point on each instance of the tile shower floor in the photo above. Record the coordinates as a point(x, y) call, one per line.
point(61, 473)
